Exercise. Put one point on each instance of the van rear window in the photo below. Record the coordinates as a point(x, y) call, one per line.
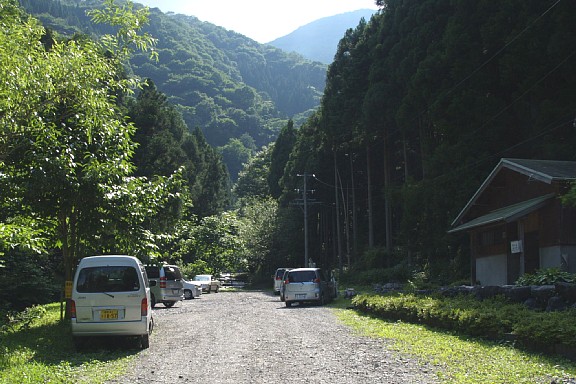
point(301, 276)
point(172, 273)
point(152, 272)
point(107, 279)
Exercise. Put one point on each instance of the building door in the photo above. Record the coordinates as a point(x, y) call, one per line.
point(531, 252)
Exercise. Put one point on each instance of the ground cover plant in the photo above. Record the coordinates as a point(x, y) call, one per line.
point(36, 347)
point(494, 318)
point(459, 359)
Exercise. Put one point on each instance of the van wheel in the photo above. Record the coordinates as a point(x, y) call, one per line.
point(153, 301)
point(188, 294)
point(288, 304)
point(169, 304)
point(145, 341)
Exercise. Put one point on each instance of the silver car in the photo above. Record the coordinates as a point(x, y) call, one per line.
point(304, 285)
point(191, 290)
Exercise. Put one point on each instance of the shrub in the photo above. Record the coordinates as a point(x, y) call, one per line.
point(13, 321)
point(397, 274)
point(491, 318)
point(548, 276)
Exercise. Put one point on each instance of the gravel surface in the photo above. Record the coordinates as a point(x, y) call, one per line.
point(251, 337)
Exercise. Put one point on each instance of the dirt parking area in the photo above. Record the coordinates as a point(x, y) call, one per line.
point(251, 337)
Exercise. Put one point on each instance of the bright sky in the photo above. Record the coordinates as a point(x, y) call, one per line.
point(261, 20)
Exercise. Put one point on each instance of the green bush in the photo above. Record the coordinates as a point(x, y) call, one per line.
point(28, 279)
point(12, 321)
point(492, 318)
point(546, 277)
point(397, 274)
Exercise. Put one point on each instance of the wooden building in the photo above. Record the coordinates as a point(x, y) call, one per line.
point(517, 223)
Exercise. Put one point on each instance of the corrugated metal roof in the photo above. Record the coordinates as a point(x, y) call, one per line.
point(546, 171)
point(506, 214)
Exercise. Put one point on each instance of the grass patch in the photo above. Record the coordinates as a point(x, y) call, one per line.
point(459, 359)
point(44, 353)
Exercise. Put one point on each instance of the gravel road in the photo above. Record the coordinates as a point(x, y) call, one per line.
point(251, 337)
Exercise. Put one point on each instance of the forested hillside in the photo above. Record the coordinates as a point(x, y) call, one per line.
point(420, 104)
point(226, 84)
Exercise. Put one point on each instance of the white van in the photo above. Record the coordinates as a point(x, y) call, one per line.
point(111, 297)
point(308, 285)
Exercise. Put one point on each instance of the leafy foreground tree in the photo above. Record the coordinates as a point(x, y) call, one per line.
point(65, 150)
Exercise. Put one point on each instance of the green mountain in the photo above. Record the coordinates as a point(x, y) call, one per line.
point(222, 82)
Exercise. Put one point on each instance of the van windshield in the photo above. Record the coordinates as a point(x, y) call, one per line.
point(107, 279)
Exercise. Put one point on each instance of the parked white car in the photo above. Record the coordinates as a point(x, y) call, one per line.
point(192, 289)
point(208, 283)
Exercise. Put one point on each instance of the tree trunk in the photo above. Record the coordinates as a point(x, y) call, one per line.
point(67, 223)
point(386, 198)
point(369, 178)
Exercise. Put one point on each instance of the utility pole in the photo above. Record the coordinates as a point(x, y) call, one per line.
point(305, 200)
point(338, 241)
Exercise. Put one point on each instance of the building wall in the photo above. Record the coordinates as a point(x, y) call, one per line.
point(559, 257)
point(492, 270)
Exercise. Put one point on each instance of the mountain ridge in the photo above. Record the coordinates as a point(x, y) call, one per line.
point(225, 83)
point(319, 39)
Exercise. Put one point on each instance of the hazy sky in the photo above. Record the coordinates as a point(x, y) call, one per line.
point(261, 20)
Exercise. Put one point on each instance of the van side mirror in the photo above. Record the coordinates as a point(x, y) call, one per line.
point(152, 283)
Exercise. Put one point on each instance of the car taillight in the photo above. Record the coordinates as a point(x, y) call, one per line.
point(72, 309)
point(316, 280)
point(163, 282)
point(144, 307)
point(286, 281)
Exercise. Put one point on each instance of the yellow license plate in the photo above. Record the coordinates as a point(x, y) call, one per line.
point(109, 314)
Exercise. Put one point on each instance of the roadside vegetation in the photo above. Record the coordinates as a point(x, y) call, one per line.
point(494, 319)
point(36, 347)
point(458, 358)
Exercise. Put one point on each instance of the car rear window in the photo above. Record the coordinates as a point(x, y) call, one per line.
point(107, 279)
point(280, 273)
point(301, 276)
point(152, 272)
point(172, 273)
